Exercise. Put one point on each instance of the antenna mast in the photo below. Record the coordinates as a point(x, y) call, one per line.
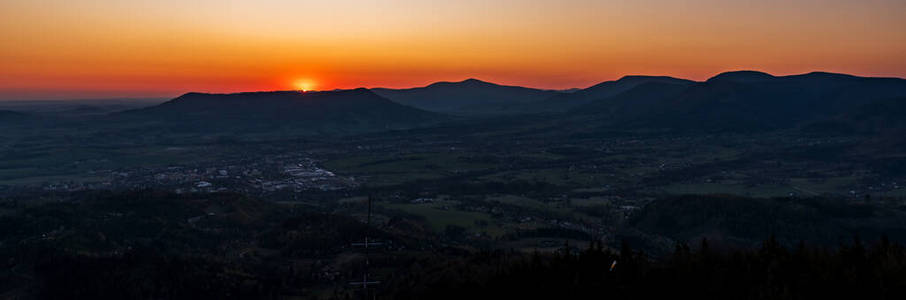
point(367, 243)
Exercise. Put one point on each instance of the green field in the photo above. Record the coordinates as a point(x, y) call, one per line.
point(441, 214)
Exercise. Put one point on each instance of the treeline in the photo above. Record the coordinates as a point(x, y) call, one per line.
point(154, 245)
point(146, 274)
point(150, 244)
point(854, 271)
point(743, 222)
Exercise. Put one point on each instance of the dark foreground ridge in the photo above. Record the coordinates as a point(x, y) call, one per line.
point(853, 270)
point(151, 245)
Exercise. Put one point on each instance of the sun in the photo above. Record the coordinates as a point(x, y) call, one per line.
point(304, 84)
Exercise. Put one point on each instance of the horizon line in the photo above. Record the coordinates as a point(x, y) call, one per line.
point(472, 78)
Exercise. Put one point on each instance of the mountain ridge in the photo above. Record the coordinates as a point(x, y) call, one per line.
point(355, 110)
point(734, 100)
point(744, 100)
point(467, 97)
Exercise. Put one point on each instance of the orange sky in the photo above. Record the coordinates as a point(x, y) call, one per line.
point(94, 48)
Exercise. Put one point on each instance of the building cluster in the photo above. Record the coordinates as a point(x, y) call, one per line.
point(254, 176)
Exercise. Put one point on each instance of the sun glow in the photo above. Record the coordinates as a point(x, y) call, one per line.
point(305, 85)
point(50, 48)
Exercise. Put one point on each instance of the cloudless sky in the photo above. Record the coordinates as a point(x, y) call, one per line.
point(54, 49)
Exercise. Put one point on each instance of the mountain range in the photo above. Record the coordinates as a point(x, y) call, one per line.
point(743, 101)
point(740, 100)
point(731, 101)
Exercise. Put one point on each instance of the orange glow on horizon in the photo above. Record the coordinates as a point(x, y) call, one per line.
point(305, 84)
point(131, 48)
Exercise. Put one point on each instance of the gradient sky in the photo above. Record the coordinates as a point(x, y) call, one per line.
point(51, 49)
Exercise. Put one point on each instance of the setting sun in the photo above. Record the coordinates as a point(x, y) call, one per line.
point(304, 85)
point(529, 149)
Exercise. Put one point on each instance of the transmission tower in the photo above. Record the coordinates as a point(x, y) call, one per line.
point(367, 282)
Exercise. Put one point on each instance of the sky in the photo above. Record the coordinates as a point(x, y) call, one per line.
point(64, 49)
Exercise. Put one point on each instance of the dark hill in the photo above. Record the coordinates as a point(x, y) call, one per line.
point(345, 111)
point(882, 116)
point(742, 76)
point(608, 89)
point(468, 97)
point(637, 102)
point(740, 222)
point(742, 101)
point(8, 117)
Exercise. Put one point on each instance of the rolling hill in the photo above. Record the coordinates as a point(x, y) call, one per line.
point(607, 89)
point(740, 101)
point(468, 97)
point(344, 111)
point(9, 117)
point(877, 117)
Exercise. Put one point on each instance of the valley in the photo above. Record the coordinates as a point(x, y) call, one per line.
point(280, 183)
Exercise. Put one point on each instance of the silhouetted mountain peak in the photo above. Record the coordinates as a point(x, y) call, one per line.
point(742, 76)
point(470, 96)
point(825, 75)
point(631, 78)
point(612, 88)
point(830, 74)
point(199, 95)
point(192, 94)
point(336, 95)
point(471, 82)
point(357, 92)
point(354, 110)
point(629, 81)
